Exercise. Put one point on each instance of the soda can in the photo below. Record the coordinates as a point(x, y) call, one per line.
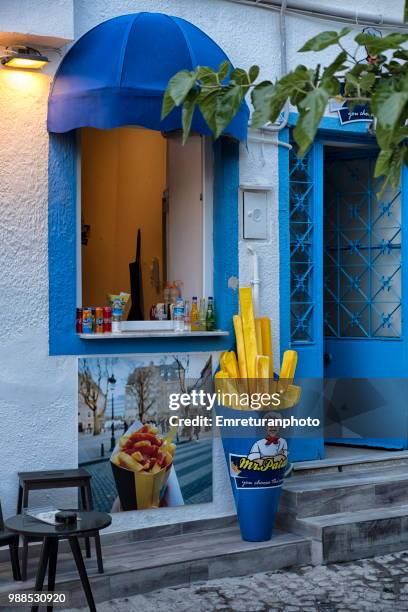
point(79, 320)
point(99, 320)
point(107, 319)
point(87, 321)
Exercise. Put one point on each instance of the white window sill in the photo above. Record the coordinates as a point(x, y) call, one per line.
point(153, 334)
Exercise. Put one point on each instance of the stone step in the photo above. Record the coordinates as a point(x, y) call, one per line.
point(325, 494)
point(145, 565)
point(356, 534)
point(351, 459)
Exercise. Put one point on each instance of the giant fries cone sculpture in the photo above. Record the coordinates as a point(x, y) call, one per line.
point(256, 455)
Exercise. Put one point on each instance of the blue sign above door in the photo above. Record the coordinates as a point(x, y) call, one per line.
point(353, 115)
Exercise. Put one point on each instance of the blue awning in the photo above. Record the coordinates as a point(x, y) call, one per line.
point(116, 75)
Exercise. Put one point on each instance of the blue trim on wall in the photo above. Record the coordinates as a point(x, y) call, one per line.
point(284, 245)
point(332, 124)
point(225, 230)
point(62, 240)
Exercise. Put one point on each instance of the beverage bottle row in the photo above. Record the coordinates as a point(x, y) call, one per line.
point(200, 317)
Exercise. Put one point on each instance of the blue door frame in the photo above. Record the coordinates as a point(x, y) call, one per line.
point(311, 350)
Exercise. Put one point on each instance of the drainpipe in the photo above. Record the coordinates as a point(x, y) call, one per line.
point(255, 282)
point(308, 8)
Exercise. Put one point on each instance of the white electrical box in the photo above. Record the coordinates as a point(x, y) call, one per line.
point(255, 214)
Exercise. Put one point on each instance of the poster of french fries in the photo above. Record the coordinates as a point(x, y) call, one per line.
point(136, 460)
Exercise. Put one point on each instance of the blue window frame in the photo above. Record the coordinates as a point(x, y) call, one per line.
point(301, 230)
point(62, 256)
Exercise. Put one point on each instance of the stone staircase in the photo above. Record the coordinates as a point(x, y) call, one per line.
point(349, 511)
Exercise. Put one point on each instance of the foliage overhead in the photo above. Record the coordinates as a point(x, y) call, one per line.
point(379, 81)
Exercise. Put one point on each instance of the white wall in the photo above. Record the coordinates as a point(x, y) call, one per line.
point(38, 404)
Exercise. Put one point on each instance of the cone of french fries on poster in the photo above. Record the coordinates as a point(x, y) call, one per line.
point(256, 455)
point(141, 464)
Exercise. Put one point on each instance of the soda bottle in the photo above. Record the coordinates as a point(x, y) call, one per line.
point(203, 315)
point(210, 318)
point(178, 316)
point(187, 316)
point(195, 316)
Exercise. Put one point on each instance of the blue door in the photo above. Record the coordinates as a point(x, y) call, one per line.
point(365, 352)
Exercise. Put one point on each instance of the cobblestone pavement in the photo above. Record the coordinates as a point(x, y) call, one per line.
point(370, 585)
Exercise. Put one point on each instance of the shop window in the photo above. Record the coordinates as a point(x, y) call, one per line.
point(135, 181)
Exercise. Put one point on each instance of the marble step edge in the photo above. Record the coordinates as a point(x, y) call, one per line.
point(340, 480)
point(367, 461)
point(348, 536)
point(314, 526)
point(154, 532)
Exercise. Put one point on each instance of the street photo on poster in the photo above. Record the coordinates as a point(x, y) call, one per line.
point(136, 460)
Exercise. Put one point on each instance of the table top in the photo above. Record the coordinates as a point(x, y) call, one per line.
point(53, 475)
point(30, 526)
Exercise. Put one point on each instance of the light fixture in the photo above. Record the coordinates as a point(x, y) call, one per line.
point(24, 57)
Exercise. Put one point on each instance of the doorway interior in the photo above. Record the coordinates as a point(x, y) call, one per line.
point(363, 342)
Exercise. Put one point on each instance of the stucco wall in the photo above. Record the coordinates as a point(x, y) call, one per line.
point(38, 403)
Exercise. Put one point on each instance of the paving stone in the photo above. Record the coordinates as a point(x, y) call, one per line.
point(361, 586)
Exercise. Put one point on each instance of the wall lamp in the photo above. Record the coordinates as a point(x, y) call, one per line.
point(23, 57)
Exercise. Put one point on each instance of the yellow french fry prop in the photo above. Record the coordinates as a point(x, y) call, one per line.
point(239, 337)
point(262, 373)
point(229, 364)
point(248, 328)
point(291, 397)
point(258, 330)
point(288, 369)
point(265, 323)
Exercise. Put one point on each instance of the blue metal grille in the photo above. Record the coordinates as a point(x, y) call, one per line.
point(301, 242)
point(362, 260)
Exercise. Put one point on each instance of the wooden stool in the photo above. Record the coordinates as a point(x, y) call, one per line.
point(57, 479)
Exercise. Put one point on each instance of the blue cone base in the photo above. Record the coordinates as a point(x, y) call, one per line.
point(256, 495)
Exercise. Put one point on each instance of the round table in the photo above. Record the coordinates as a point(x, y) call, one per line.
point(87, 522)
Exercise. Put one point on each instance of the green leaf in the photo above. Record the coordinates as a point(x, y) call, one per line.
point(261, 100)
point(207, 75)
point(253, 73)
point(177, 89)
point(376, 45)
point(388, 108)
point(239, 76)
point(367, 81)
point(220, 106)
point(389, 164)
point(167, 105)
point(224, 70)
point(336, 66)
point(312, 109)
point(324, 40)
point(187, 112)
point(406, 11)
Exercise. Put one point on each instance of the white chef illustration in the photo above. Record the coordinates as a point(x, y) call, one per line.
point(272, 446)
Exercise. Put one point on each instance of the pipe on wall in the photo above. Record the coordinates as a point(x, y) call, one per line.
point(308, 8)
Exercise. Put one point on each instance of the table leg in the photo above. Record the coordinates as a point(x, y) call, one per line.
point(52, 568)
point(98, 548)
point(76, 551)
point(19, 499)
point(24, 557)
point(84, 504)
point(42, 568)
point(15, 564)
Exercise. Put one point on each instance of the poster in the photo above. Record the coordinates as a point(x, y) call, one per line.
point(123, 407)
